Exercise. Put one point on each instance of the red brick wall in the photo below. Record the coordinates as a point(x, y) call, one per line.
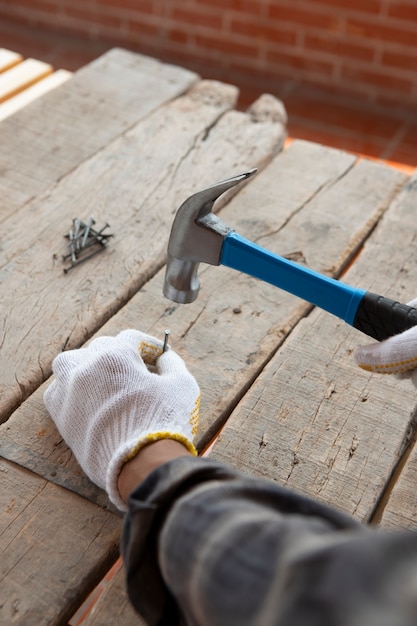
point(363, 48)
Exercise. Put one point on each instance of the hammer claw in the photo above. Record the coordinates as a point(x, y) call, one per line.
point(197, 236)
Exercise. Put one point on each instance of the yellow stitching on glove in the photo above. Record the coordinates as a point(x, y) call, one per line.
point(152, 437)
point(396, 367)
point(195, 415)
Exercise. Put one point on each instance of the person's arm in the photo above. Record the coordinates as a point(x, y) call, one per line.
point(146, 461)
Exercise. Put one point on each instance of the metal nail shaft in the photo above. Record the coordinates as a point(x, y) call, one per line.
point(165, 346)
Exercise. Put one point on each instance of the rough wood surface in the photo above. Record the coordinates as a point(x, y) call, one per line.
point(398, 508)
point(22, 76)
point(314, 421)
point(237, 323)
point(137, 189)
point(55, 547)
point(9, 58)
point(50, 137)
point(279, 374)
point(22, 99)
point(113, 606)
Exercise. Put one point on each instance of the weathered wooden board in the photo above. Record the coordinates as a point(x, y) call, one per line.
point(22, 76)
point(398, 508)
point(55, 547)
point(9, 58)
point(225, 349)
point(50, 137)
point(113, 606)
point(136, 184)
point(22, 99)
point(313, 420)
point(237, 323)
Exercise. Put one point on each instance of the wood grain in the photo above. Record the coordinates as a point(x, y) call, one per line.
point(22, 99)
point(22, 76)
point(50, 137)
point(113, 606)
point(136, 184)
point(314, 421)
point(56, 547)
point(8, 59)
point(237, 324)
point(398, 508)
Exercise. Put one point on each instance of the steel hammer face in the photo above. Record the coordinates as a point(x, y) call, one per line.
point(197, 236)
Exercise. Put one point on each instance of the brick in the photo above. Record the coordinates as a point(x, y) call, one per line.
point(89, 22)
point(264, 31)
point(247, 7)
point(402, 60)
point(304, 16)
point(46, 6)
point(300, 61)
point(177, 35)
point(386, 81)
point(403, 10)
point(381, 31)
point(147, 7)
point(253, 37)
point(373, 7)
point(339, 46)
point(81, 13)
point(225, 45)
point(197, 17)
point(342, 116)
point(143, 27)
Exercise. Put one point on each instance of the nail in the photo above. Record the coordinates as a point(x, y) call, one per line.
point(72, 246)
point(79, 261)
point(90, 223)
point(99, 234)
point(165, 346)
point(77, 224)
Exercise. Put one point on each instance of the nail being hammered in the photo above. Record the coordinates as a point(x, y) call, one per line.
point(165, 346)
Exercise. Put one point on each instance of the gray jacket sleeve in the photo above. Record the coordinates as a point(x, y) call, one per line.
point(206, 545)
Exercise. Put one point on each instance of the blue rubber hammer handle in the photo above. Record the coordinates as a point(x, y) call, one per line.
point(200, 236)
point(375, 315)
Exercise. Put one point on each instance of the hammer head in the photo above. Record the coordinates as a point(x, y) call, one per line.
point(197, 236)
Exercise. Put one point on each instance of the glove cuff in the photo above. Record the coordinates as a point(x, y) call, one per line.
point(128, 451)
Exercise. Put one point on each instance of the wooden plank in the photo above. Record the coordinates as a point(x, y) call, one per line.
point(398, 508)
point(113, 606)
point(22, 99)
point(49, 138)
point(55, 548)
point(22, 76)
point(136, 188)
point(237, 323)
point(9, 59)
point(314, 421)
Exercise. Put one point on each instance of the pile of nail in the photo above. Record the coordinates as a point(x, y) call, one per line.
point(84, 242)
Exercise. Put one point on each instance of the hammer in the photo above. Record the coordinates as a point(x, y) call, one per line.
point(200, 236)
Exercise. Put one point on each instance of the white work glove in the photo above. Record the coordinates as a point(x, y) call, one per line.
point(396, 355)
point(107, 404)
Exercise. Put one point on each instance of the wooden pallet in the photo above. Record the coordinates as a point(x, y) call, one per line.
point(24, 80)
point(126, 140)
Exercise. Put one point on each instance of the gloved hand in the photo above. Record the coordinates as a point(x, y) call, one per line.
point(107, 404)
point(396, 355)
